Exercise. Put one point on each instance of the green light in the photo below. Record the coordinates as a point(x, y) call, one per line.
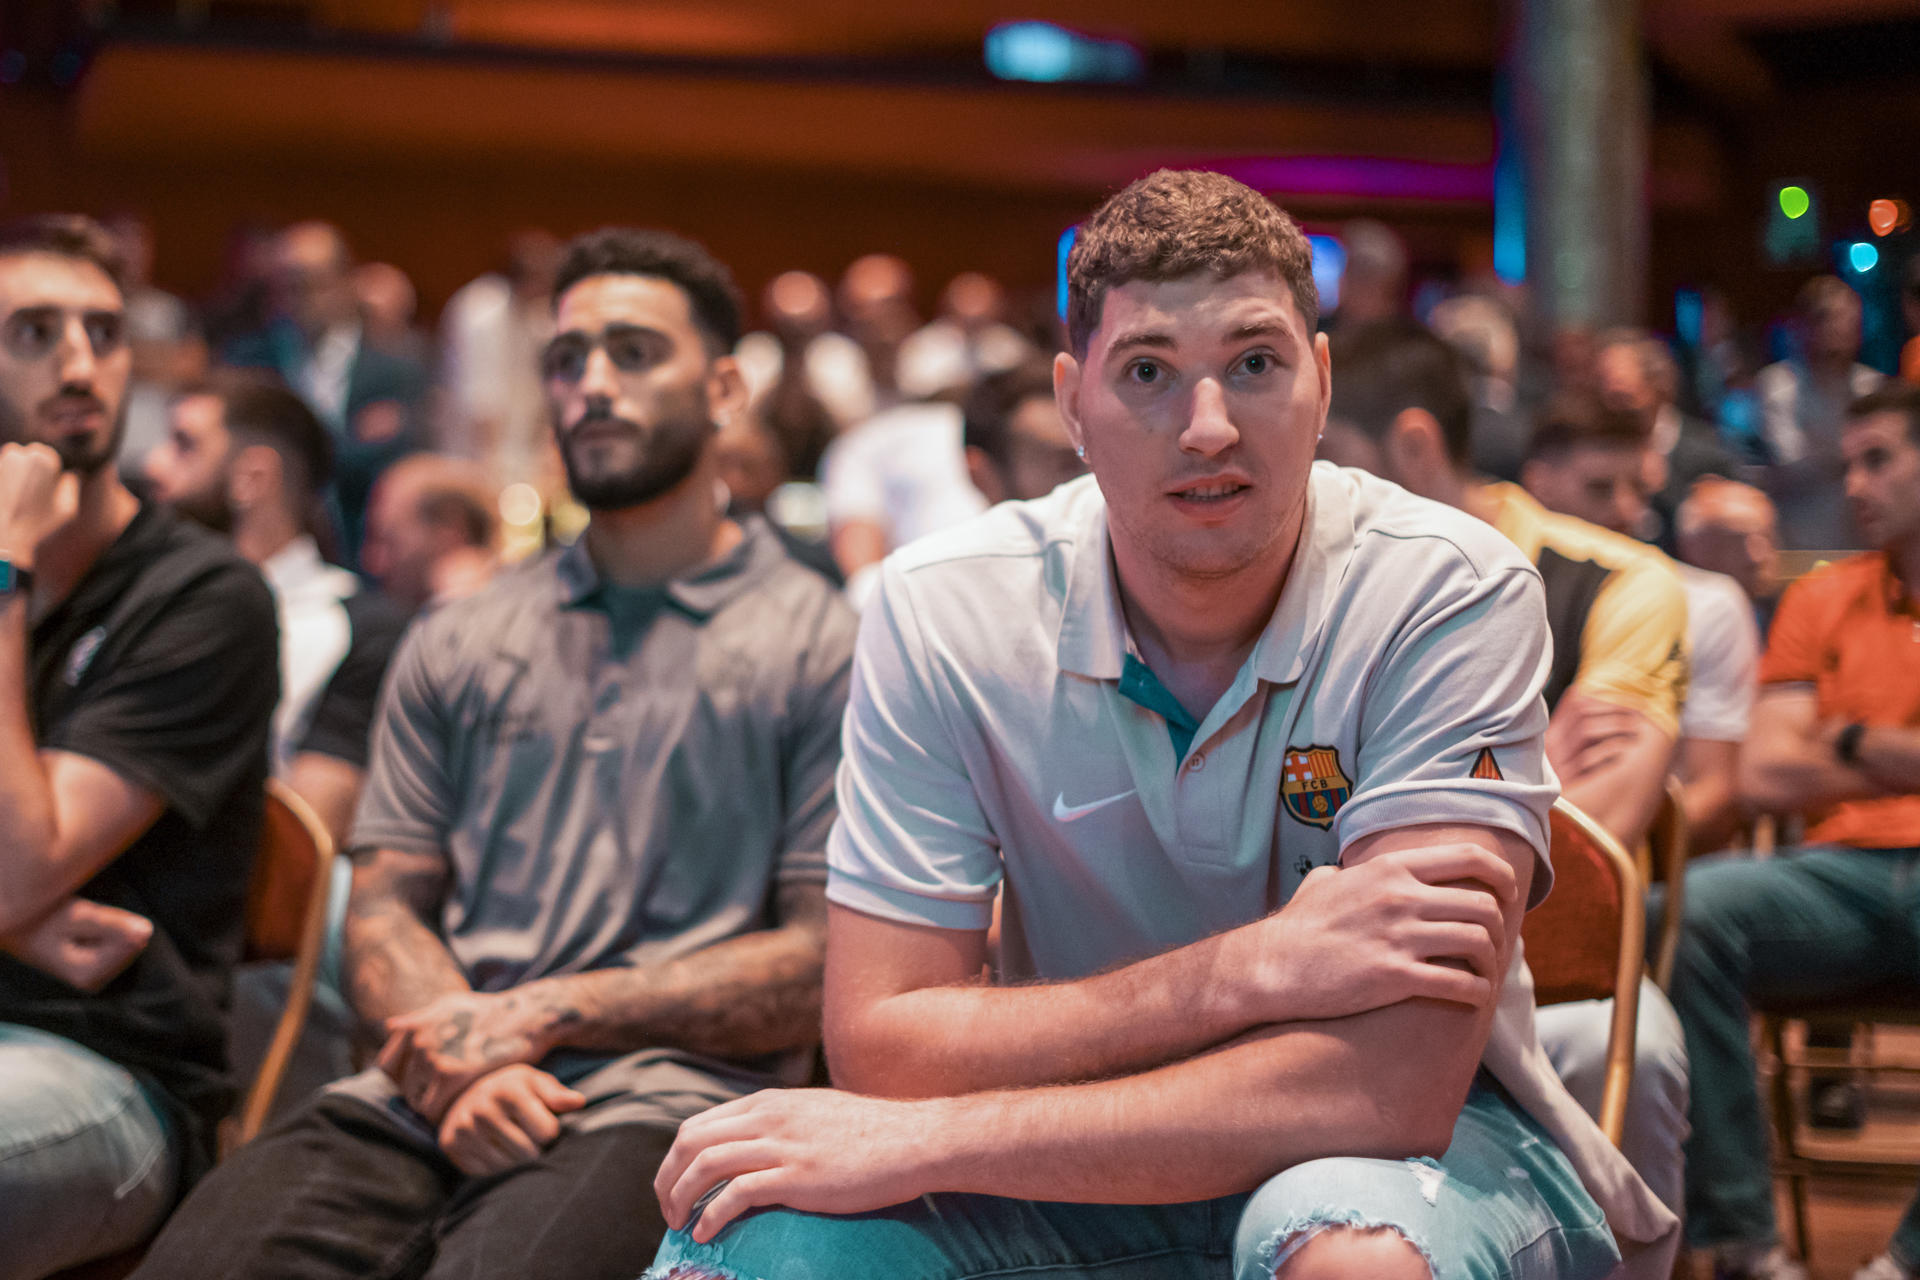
point(1794, 201)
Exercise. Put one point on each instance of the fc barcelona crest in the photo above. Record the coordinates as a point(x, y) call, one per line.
point(1313, 786)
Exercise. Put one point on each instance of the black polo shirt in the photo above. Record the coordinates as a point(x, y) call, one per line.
point(162, 665)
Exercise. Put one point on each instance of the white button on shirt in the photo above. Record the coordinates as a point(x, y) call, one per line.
point(987, 740)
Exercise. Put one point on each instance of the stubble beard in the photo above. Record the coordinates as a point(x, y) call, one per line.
point(80, 455)
point(669, 452)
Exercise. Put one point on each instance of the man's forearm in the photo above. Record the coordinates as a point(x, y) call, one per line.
point(393, 962)
point(1797, 777)
point(1624, 795)
point(1222, 1122)
point(1891, 758)
point(755, 994)
point(944, 1041)
point(27, 827)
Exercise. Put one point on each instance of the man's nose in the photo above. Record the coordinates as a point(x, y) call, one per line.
point(598, 378)
point(74, 357)
point(1209, 430)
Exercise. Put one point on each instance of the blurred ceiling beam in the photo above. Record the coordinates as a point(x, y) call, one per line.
point(169, 102)
point(1417, 32)
point(156, 100)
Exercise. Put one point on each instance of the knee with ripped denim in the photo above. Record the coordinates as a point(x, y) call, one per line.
point(1336, 1218)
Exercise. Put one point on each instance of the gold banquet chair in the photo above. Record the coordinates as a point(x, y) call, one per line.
point(286, 920)
point(1588, 941)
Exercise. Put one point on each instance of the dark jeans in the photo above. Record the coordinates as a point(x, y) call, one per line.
point(343, 1190)
point(1801, 931)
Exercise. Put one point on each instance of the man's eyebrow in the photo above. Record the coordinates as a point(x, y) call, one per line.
point(1261, 329)
point(1145, 338)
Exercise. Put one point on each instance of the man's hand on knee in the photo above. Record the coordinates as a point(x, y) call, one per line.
point(816, 1150)
point(505, 1120)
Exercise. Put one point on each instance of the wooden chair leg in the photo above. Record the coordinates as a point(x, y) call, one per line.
point(1773, 1036)
point(1802, 1219)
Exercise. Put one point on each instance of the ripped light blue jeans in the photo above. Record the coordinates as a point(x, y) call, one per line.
point(1502, 1203)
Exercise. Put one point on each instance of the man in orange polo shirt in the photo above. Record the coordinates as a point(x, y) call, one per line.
point(1835, 736)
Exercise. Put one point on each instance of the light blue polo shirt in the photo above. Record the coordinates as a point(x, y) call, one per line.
point(996, 731)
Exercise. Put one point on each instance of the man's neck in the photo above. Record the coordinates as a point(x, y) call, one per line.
point(64, 557)
point(648, 544)
point(1196, 633)
point(1904, 560)
point(261, 535)
point(1830, 369)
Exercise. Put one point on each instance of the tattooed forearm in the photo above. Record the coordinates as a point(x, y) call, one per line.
point(393, 961)
point(754, 994)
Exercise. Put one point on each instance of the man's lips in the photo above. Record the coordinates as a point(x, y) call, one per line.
point(1214, 489)
point(74, 415)
point(602, 429)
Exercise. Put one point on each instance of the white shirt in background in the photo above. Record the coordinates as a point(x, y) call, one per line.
point(1724, 640)
point(904, 469)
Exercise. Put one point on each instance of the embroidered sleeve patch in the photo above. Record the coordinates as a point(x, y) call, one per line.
point(1312, 785)
point(1485, 766)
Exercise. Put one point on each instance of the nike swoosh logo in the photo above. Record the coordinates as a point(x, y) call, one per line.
point(1062, 813)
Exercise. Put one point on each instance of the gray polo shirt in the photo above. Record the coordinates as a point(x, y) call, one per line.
point(618, 778)
point(1002, 735)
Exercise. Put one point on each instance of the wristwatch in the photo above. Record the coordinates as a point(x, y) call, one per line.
point(1846, 744)
point(15, 579)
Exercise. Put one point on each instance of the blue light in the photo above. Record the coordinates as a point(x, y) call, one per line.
point(1329, 260)
point(1042, 53)
point(1067, 239)
point(1863, 256)
point(1689, 315)
point(1509, 190)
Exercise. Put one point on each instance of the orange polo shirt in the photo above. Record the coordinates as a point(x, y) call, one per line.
point(1849, 630)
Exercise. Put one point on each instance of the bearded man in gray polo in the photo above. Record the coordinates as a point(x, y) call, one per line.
point(1251, 749)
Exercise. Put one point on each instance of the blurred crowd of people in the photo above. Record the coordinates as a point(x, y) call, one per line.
point(859, 436)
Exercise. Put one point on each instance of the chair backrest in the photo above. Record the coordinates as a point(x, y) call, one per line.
point(1667, 850)
point(1588, 941)
point(286, 920)
point(1577, 938)
point(290, 863)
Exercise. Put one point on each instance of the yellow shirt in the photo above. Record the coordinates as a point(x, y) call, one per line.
point(1615, 606)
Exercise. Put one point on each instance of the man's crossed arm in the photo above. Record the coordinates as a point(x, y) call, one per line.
point(1190, 1075)
point(465, 1059)
point(1790, 763)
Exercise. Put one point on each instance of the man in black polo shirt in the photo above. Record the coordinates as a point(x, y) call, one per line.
point(137, 678)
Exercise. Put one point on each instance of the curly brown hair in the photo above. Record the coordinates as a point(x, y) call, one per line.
point(1179, 222)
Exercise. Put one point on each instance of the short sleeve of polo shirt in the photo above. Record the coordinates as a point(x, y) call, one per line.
point(1633, 651)
point(912, 843)
point(1453, 722)
point(810, 747)
point(180, 711)
point(1797, 640)
point(408, 800)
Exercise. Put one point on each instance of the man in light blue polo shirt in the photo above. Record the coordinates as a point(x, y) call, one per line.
point(1251, 749)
